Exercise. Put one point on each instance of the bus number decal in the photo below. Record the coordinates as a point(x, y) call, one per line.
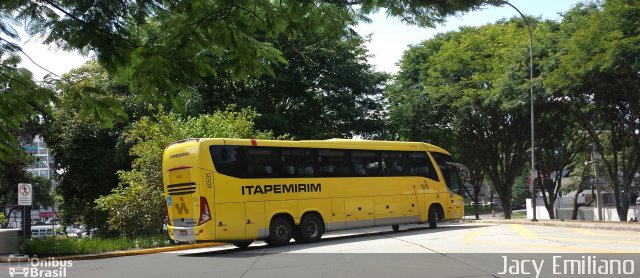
point(280, 188)
point(208, 180)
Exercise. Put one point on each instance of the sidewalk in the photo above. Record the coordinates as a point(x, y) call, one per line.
point(499, 219)
point(8, 258)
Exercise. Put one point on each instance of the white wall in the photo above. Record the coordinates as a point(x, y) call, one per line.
point(9, 241)
point(608, 213)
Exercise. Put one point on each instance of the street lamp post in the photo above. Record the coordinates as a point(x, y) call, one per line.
point(533, 157)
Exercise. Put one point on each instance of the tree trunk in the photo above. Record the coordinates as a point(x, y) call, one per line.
point(576, 206)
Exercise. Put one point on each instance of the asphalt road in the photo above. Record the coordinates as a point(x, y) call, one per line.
point(452, 250)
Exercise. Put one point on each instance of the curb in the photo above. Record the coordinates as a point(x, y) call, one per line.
point(118, 253)
point(622, 226)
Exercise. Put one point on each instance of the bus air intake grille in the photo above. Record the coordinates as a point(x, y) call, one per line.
point(181, 188)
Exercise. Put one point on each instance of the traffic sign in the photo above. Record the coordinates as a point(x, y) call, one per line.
point(25, 194)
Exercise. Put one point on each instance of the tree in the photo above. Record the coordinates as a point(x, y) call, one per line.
point(556, 151)
point(598, 74)
point(472, 89)
point(161, 48)
point(20, 100)
point(87, 151)
point(141, 187)
point(476, 181)
point(327, 89)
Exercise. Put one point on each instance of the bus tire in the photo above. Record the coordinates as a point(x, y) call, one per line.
point(433, 217)
point(243, 244)
point(395, 227)
point(280, 231)
point(311, 228)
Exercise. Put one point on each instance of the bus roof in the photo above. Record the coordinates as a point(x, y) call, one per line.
point(330, 143)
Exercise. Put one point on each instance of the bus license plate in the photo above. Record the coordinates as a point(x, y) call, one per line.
point(184, 232)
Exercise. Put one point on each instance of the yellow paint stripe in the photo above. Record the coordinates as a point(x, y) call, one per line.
point(626, 242)
point(600, 233)
point(582, 231)
point(524, 247)
point(471, 237)
point(523, 231)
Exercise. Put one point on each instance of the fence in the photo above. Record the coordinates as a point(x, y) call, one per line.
point(49, 222)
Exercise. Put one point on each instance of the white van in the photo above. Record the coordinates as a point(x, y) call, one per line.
point(45, 231)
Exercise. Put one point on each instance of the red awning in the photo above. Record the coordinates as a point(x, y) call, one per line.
point(47, 214)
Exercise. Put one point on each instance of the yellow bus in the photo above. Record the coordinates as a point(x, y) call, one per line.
point(241, 190)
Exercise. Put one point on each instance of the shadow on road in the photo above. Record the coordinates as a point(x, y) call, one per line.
point(261, 250)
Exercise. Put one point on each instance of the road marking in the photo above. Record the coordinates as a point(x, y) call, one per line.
point(599, 233)
point(523, 231)
point(526, 247)
point(593, 240)
point(583, 231)
point(471, 237)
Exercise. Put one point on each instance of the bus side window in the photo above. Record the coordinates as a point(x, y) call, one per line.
point(365, 163)
point(394, 164)
point(229, 160)
point(421, 166)
point(299, 162)
point(333, 163)
point(262, 162)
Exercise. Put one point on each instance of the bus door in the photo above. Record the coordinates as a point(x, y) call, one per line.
point(456, 185)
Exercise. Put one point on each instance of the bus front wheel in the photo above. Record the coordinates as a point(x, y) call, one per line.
point(280, 231)
point(311, 228)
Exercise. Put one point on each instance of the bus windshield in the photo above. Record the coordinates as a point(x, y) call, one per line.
point(451, 171)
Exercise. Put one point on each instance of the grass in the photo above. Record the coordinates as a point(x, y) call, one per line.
point(518, 214)
point(56, 246)
point(482, 209)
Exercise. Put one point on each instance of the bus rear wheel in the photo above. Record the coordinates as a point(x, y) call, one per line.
point(395, 227)
point(280, 231)
point(242, 244)
point(311, 228)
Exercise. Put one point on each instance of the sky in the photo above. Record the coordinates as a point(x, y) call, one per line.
point(389, 37)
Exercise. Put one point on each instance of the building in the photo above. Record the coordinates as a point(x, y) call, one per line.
point(43, 164)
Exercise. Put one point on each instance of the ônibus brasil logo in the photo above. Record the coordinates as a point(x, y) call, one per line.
point(34, 267)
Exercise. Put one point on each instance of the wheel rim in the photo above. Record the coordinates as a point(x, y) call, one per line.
point(280, 231)
point(311, 229)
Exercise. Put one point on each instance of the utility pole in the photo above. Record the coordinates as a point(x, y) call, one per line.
point(533, 145)
point(595, 157)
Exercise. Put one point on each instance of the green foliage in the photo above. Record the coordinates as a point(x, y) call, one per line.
point(468, 91)
point(597, 71)
point(158, 47)
point(520, 190)
point(327, 89)
point(56, 246)
point(135, 206)
point(20, 100)
point(86, 150)
point(426, 13)
point(13, 173)
point(3, 219)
